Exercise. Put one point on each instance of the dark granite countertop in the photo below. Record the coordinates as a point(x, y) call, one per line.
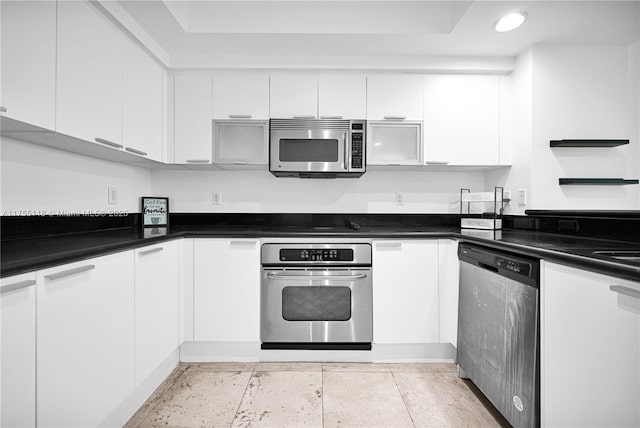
point(25, 254)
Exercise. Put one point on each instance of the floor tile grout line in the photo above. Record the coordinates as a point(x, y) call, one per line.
point(253, 370)
point(150, 410)
point(395, 381)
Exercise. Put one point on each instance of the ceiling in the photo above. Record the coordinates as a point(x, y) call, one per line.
point(370, 34)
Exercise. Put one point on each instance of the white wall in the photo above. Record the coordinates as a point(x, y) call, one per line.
point(582, 92)
point(41, 179)
point(633, 77)
point(260, 191)
point(516, 136)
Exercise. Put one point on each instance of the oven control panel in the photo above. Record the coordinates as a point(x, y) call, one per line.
point(316, 255)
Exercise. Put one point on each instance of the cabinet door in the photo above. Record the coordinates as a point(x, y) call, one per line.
point(85, 340)
point(293, 95)
point(394, 143)
point(192, 128)
point(240, 142)
point(18, 301)
point(405, 291)
point(590, 349)
point(227, 290)
point(143, 103)
point(89, 74)
point(392, 97)
point(461, 120)
point(240, 95)
point(448, 274)
point(342, 96)
point(156, 306)
point(28, 56)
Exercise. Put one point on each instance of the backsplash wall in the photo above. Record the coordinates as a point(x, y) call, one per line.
point(260, 191)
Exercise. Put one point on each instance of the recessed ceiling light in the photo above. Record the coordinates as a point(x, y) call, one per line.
point(510, 22)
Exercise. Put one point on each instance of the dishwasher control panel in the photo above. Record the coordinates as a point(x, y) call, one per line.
point(522, 268)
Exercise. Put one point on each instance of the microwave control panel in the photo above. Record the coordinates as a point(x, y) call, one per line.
point(357, 144)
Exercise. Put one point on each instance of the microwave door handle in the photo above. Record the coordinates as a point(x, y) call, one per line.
point(346, 153)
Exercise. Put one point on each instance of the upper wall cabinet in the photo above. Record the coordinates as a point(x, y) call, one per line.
point(461, 119)
point(28, 56)
point(240, 95)
point(342, 96)
point(89, 75)
point(193, 118)
point(143, 103)
point(293, 96)
point(394, 97)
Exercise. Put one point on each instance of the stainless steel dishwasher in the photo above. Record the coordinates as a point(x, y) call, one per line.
point(498, 324)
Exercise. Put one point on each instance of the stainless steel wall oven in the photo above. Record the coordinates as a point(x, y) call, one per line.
point(316, 296)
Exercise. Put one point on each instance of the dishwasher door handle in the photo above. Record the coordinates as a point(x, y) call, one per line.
point(488, 267)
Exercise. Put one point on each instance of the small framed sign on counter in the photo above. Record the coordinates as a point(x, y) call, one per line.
point(155, 211)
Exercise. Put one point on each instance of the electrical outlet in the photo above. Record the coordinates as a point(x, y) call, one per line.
point(522, 197)
point(113, 196)
point(216, 198)
point(399, 198)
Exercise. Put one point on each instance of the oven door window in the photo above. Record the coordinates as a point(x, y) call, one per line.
point(309, 150)
point(316, 303)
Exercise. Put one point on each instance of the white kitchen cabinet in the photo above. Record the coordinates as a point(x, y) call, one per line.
point(227, 290)
point(28, 56)
point(394, 143)
point(240, 142)
point(293, 96)
point(89, 75)
point(18, 301)
point(461, 119)
point(342, 96)
point(394, 97)
point(85, 340)
point(193, 118)
point(448, 276)
point(590, 349)
point(156, 306)
point(239, 95)
point(405, 291)
point(143, 103)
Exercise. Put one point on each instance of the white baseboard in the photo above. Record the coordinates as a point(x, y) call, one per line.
point(132, 403)
point(251, 352)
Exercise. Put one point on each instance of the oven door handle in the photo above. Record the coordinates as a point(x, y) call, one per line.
point(278, 275)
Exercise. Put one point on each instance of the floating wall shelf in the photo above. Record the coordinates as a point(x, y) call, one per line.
point(587, 143)
point(597, 181)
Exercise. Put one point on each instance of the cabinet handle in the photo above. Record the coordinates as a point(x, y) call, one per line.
point(436, 162)
point(330, 117)
point(17, 286)
point(151, 251)
point(627, 291)
point(390, 244)
point(239, 163)
point(198, 161)
point(395, 117)
point(394, 164)
point(244, 243)
point(108, 143)
point(136, 151)
point(239, 116)
point(3, 109)
point(69, 272)
point(308, 116)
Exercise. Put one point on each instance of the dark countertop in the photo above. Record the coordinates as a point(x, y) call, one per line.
point(21, 255)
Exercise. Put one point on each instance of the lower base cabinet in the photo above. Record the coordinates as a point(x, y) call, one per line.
point(405, 291)
point(85, 340)
point(590, 349)
point(156, 306)
point(18, 390)
point(226, 290)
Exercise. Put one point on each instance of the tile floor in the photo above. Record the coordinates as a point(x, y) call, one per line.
point(315, 395)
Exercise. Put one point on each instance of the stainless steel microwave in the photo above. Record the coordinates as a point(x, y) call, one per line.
point(317, 148)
